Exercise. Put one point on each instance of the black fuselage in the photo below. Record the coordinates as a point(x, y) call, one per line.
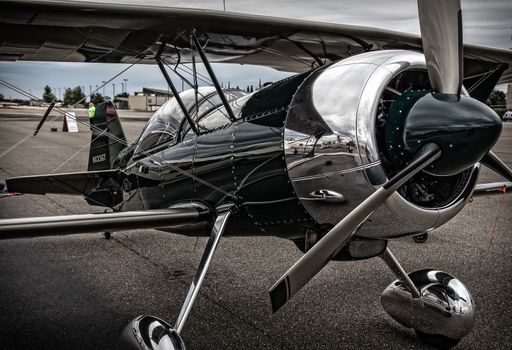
point(241, 162)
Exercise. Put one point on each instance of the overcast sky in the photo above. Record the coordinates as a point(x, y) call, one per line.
point(485, 23)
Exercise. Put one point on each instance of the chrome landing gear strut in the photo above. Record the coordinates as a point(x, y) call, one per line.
point(433, 303)
point(149, 332)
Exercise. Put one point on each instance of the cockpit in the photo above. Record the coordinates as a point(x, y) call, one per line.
point(169, 124)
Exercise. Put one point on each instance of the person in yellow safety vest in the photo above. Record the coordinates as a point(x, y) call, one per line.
point(91, 112)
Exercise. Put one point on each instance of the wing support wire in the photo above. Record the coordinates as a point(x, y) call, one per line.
point(89, 223)
point(193, 85)
point(59, 110)
point(109, 135)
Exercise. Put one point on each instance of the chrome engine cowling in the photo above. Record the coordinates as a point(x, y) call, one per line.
point(334, 145)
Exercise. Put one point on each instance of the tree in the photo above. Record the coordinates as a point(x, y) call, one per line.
point(497, 101)
point(97, 98)
point(73, 96)
point(122, 94)
point(1, 97)
point(48, 95)
point(497, 98)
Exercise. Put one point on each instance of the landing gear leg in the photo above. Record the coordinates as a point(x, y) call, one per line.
point(435, 304)
point(397, 269)
point(140, 333)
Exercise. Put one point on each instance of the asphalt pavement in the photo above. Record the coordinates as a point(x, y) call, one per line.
point(78, 292)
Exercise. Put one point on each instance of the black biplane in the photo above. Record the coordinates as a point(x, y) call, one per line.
point(379, 135)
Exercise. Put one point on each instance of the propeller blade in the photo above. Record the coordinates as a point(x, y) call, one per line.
point(441, 34)
point(319, 255)
point(493, 162)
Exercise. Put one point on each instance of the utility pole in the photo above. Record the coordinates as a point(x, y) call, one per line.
point(113, 91)
point(125, 85)
point(103, 85)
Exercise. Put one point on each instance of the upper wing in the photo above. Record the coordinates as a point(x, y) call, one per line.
point(97, 32)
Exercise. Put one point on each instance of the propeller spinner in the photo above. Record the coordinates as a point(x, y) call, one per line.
point(463, 127)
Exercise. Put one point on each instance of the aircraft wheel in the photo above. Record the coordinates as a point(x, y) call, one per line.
point(445, 314)
point(437, 341)
point(149, 333)
point(421, 238)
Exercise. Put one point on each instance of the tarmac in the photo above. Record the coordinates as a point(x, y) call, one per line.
point(79, 291)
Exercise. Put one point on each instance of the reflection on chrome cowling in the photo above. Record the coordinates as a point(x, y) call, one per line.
point(446, 306)
point(325, 196)
point(149, 333)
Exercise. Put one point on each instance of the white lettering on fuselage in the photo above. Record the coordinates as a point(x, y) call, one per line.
point(99, 158)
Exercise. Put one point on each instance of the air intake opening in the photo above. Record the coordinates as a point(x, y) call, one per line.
point(424, 190)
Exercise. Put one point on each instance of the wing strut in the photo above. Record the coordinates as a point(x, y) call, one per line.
point(48, 110)
point(213, 78)
point(176, 93)
point(211, 247)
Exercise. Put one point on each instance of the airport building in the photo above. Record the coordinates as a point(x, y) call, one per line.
point(148, 99)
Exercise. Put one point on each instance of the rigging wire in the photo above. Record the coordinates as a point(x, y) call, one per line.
point(117, 139)
point(107, 82)
point(197, 76)
point(188, 70)
point(15, 145)
point(29, 95)
point(283, 54)
point(77, 152)
point(204, 98)
point(29, 136)
point(63, 113)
